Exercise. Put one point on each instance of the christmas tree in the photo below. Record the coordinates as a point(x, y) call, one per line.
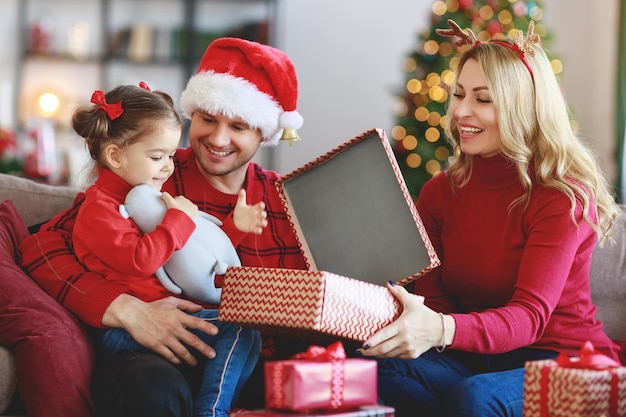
point(418, 137)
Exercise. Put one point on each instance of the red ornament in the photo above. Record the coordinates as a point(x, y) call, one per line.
point(494, 27)
point(7, 141)
point(494, 5)
point(466, 4)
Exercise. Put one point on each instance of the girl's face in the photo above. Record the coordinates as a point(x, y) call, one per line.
point(474, 113)
point(150, 160)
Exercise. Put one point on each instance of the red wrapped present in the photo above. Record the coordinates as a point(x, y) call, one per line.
point(592, 385)
point(320, 379)
point(365, 411)
point(312, 305)
point(358, 228)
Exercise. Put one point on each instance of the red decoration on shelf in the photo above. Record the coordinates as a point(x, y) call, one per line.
point(40, 40)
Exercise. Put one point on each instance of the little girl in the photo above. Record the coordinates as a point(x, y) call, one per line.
point(132, 135)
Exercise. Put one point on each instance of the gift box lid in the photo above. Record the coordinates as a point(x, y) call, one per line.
point(353, 214)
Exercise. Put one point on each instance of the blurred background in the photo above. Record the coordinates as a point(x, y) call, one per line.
point(358, 62)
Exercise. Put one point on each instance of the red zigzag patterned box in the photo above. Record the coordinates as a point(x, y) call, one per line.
point(554, 391)
point(353, 216)
point(299, 301)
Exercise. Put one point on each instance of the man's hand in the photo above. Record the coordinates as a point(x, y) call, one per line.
point(250, 219)
point(161, 326)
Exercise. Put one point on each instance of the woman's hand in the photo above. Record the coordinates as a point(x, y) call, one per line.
point(416, 330)
point(161, 326)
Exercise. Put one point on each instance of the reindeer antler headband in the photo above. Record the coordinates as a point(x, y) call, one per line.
point(521, 45)
point(466, 37)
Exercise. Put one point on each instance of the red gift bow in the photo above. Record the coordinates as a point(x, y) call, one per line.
point(114, 110)
point(335, 354)
point(588, 359)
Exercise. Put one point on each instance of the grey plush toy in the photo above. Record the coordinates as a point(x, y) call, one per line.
point(192, 269)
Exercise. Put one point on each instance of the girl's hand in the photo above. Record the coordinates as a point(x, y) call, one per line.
point(249, 219)
point(181, 203)
point(416, 330)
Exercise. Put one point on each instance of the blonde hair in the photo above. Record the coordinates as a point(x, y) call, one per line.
point(536, 134)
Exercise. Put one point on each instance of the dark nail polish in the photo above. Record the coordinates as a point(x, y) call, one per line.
point(366, 346)
point(393, 284)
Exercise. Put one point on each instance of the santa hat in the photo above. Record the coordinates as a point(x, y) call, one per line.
point(249, 80)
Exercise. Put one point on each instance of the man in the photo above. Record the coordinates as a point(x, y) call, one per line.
point(243, 96)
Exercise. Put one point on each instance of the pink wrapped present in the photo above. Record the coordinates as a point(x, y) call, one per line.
point(320, 379)
point(592, 385)
point(365, 411)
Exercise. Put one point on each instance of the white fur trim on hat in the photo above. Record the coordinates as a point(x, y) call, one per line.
point(218, 93)
point(290, 120)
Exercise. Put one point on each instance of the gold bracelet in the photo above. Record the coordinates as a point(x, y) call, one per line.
point(442, 347)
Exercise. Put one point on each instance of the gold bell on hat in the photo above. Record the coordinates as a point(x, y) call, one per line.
point(291, 135)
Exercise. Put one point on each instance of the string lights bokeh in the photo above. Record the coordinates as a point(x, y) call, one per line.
point(419, 141)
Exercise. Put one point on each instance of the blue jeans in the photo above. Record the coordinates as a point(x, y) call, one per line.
point(142, 384)
point(237, 351)
point(457, 384)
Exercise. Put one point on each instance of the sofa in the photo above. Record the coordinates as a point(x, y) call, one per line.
point(33, 203)
point(41, 343)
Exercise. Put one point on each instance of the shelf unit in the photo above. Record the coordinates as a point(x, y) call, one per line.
point(73, 47)
point(123, 41)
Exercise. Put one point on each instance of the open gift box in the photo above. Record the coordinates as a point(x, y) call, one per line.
point(358, 228)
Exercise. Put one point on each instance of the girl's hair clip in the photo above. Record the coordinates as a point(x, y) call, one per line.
point(144, 86)
point(113, 110)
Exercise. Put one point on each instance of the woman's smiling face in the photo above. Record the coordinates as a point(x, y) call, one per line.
point(474, 113)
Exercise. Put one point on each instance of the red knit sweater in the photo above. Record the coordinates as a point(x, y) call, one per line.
point(277, 246)
point(520, 276)
point(48, 255)
point(111, 245)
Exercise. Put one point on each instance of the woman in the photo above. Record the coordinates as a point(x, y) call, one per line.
point(514, 220)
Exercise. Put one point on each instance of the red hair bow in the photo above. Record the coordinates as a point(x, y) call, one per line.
point(114, 110)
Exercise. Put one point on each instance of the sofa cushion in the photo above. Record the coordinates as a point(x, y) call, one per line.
point(35, 202)
point(53, 355)
point(608, 280)
point(8, 381)
point(12, 232)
